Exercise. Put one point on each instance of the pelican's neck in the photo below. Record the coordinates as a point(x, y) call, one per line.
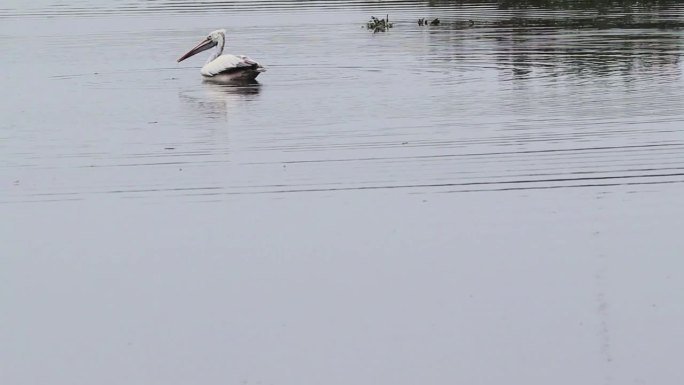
point(219, 48)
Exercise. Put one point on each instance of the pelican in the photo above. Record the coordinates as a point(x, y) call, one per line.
point(224, 67)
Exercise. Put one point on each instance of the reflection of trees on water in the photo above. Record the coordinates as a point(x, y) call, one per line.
point(621, 41)
point(603, 5)
point(596, 13)
point(595, 56)
point(564, 4)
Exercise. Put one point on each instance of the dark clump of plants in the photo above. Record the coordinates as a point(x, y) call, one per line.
point(432, 22)
point(379, 25)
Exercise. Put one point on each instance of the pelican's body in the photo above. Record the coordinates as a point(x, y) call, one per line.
point(224, 67)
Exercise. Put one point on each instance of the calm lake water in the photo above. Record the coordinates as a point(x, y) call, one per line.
point(493, 200)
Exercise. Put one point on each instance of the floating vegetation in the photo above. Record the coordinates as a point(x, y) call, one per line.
point(379, 25)
point(423, 22)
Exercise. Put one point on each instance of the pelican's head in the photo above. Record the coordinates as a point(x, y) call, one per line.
point(212, 40)
point(217, 35)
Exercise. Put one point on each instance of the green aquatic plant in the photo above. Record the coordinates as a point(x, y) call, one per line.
point(379, 25)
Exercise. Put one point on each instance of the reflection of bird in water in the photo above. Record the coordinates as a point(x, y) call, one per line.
point(218, 98)
point(224, 67)
point(234, 86)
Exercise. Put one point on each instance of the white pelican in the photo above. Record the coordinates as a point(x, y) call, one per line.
point(224, 67)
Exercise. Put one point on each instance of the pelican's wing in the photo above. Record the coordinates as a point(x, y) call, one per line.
point(228, 63)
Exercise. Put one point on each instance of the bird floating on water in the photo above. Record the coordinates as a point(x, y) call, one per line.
point(224, 67)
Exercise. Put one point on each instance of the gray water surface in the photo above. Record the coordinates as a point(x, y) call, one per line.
point(486, 202)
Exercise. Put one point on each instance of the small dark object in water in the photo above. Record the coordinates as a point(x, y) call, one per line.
point(379, 25)
point(422, 22)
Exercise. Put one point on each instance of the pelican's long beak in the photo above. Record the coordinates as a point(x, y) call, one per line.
point(202, 46)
